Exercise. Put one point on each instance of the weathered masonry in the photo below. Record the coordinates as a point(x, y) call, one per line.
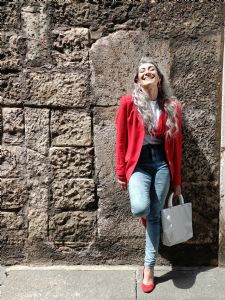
point(63, 67)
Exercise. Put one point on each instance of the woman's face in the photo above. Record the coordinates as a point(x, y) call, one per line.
point(148, 75)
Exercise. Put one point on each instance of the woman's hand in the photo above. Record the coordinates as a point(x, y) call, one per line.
point(177, 190)
point(123, 185)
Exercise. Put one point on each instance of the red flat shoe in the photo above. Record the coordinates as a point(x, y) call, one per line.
point(143, 222)
point(147, 288)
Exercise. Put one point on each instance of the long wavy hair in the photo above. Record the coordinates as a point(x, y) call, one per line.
point(165, 92)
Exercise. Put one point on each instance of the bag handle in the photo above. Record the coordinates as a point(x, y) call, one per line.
point(170, 201)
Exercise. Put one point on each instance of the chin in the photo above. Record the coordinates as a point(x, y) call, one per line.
point(146, 84)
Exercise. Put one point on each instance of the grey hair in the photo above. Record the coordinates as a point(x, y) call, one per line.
point(164, 92)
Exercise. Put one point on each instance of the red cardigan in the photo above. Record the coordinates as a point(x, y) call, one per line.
point(129, 140)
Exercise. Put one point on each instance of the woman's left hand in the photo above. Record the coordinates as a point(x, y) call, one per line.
point(177, 190)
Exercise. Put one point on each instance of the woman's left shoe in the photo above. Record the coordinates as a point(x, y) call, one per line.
point(147, 288)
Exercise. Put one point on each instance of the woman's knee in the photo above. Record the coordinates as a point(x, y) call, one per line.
point(139, 210)
point(138, 188)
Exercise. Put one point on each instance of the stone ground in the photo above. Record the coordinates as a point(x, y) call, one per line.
point(109, 282)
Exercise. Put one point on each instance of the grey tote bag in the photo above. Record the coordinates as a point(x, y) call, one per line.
point(176, 222)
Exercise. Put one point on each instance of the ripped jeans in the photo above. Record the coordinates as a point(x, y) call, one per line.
point(148, 187)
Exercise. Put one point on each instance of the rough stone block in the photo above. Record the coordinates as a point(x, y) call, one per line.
point(12, 237)
point(117, 212)
point(1, 129)
point(110, 212)
point(104, 141)
point(35, 26)
point(38, 168)
point(222, 142)
point(70, 48)
point(157, 17)
point(205, 204)
point(12, 246)
point(57, 89)
point(193, 83)
point(192, 21)
point(37, 129)
point(77, 228)
point(37, 224)
point(11, 89)
point(71, 162)
point(73, 193)
point(38, 172)
point(75, 12)
point(70, 128)
point(204, 198)
point(204, 231)
point(221, 253)
point(12, 51)
point(13, 193)
point(13, 162)
point(114, 60)
point(13, 125)
point(11, 221)
point(10, 14)
point(34, 5)
point(200, 160)
point(222, 203)
point(38, 195)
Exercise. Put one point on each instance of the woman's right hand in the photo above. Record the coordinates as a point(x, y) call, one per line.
point(123, 185)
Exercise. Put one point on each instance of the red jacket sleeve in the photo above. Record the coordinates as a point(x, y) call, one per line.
point(178, 148)
point(121, 139)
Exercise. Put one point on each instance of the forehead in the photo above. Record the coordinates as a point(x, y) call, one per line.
point(146, 65)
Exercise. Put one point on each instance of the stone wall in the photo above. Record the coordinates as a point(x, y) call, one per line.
point(63, 67)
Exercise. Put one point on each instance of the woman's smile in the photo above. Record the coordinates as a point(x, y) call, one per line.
point(148, 76)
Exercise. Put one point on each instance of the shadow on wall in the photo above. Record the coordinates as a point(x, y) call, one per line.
point(199, 186)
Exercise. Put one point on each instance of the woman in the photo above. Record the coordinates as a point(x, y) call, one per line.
point(148, 153)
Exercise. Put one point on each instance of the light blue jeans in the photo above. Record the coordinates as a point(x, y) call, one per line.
point(148, 187)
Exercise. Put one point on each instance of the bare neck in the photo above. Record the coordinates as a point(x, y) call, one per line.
point(152, 92)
